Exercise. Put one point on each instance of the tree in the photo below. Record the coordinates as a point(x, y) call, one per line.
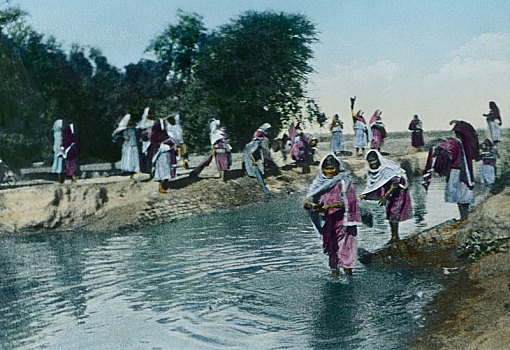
point(254, 70)
point(179, 45)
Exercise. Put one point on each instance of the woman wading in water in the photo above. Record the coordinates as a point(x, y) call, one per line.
point(387, 183)
point(335, 214)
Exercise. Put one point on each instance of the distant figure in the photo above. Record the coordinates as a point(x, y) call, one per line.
point(163, 155)
point(220, 150)
point(71, 150)
point(262, 134)
point(257, 158)
point(253, 160)
point(301, 151)
point(144, 129)
point(334, 211)
point(362, 134)
point(387, 183)
point(415, 126)
point(494, 122)
point(174, 130)
point(337, 137)
point(58, 150)
point(378, 131)
point(488, 168)
point(125, 133)
point(285, 145)
point(453, 158)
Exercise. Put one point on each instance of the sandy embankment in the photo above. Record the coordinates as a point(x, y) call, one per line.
point(112, 203)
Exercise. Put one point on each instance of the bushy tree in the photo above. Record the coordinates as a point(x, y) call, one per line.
point(254, 70)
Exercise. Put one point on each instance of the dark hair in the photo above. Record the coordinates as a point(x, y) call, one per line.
point(330, 160)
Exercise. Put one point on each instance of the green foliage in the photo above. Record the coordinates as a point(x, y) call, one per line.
point(179, 45)
point(476, 246)
point(254, 70)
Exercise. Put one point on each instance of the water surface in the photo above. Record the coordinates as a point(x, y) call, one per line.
point(255, 278)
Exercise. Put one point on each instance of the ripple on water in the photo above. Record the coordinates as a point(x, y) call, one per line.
point(243, 279)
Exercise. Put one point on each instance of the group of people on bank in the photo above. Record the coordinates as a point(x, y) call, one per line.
point(334, 206)
point(371, 134)
point(153, 145)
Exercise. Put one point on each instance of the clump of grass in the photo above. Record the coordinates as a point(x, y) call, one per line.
point(476, 246)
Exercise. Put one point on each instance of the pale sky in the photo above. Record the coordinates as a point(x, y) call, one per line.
point(440, 59)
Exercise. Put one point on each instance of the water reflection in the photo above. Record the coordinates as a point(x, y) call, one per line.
point(253, 278)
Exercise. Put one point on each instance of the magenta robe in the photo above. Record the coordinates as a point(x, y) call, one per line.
point(398, 205)
point(417, 134)
point(301, 150)
point(222, 159)
point(71, 147)
point(339, 232)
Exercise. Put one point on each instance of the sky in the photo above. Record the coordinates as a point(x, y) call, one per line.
point(440, 59)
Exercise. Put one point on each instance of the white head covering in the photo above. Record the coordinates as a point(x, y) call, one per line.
point(57, 135)
point(265, 127)
point(123, 124)
point(215, 124)
point(323, 183)
point(217, 133)
point(144, 122)
point(380, 176)
point(175, 131)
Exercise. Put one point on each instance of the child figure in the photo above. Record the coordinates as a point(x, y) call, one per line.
point(335, 214)
point(488, 168)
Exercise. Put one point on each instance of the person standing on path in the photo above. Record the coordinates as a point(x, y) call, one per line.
point(174, 130)
point(163, 156)
point(71, 150)
point(415, 126)
point(58, 150)
point(125, 132)
point(378, 131)
point(220, 150)
point(362, 134)
point(337, 137)
point(494, 123)
point(488, 168)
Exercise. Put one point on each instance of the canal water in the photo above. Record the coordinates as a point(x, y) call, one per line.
point(254, 278)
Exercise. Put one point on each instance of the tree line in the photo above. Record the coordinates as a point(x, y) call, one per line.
point(252, 70)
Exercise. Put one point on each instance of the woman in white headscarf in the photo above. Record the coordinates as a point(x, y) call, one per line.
point(337, 139)
point(144, 129)
point(220, 151)
point(174, 130)
point(58, 151)
point(335, 214)
point(387, 183)
point(130, 163)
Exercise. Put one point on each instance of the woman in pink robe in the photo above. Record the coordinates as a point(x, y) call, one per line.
point(335, 213)
point(71, 150)
point(417, 132)
point(378, 131)
point(387, 183)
